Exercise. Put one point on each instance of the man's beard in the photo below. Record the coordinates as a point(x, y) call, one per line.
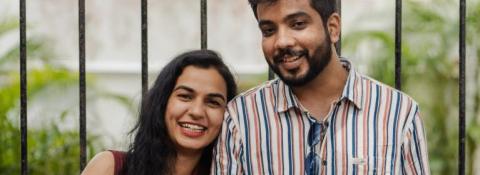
point(316, 63)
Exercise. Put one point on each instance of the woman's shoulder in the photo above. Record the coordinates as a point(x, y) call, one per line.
point(102, 163)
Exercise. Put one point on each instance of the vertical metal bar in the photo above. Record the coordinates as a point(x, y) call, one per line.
point(462, 84)
point(23, 88)
point(203, 23)
point(144, 12)
point(338, 45)
point(82, 95)
point(398, 44)
point(271, 75)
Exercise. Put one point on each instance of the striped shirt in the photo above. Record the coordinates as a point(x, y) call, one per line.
point(373, 129)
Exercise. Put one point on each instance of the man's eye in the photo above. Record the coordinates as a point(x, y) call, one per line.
point(299, 25)
point(268, 31)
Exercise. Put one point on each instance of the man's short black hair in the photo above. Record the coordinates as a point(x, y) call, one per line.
point(323, 7)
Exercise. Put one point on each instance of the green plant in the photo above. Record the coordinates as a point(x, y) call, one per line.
point(53, 148)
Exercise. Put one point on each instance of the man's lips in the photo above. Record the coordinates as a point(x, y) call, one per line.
point(290, 59)
point(290, 63)
point(289, 55)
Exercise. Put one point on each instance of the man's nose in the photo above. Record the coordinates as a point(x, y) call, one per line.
point(284, 39)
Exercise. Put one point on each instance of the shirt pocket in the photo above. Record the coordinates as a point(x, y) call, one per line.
point(379, 164)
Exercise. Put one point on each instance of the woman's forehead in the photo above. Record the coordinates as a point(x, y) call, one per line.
point(205, 80)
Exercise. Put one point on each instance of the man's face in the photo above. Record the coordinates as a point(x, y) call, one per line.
point(295, 43)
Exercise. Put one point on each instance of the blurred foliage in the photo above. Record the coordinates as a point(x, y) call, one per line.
point(53, 148)
point(430, 73)
point(248, 81)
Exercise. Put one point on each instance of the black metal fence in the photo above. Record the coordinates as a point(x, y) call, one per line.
point(203, 45)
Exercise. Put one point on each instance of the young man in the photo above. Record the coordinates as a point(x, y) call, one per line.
point(321, 116)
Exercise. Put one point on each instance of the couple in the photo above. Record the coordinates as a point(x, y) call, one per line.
point(319, 117)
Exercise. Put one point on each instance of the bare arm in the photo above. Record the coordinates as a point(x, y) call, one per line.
point(102, 164)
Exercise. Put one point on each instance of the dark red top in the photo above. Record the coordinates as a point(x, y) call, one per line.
point(119, 158)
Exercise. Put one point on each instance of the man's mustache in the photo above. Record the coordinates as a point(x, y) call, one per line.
point(290, 52)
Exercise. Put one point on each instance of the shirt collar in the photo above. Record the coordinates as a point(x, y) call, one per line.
point(286, 99)
point(353, 88)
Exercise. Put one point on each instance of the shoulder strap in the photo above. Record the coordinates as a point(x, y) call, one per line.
point(119, 158)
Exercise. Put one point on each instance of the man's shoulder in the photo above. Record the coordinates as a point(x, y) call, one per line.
point(376, 86)
point(266, 86)
point(239, 102)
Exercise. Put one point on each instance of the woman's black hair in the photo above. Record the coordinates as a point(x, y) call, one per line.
point(152, 150)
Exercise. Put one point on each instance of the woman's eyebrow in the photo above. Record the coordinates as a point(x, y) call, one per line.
point(189, 89)
point(218, 95)
point(183, 87)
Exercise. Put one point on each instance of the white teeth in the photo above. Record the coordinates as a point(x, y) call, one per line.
point(290, 59)
point(192, 126)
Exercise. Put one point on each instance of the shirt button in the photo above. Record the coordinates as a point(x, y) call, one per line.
point(324, 162)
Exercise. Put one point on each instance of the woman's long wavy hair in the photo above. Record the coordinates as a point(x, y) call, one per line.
point(152, 150)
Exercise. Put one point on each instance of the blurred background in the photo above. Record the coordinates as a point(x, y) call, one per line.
point(113, 63)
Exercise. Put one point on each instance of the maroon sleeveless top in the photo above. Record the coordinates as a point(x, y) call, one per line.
point(119, 159)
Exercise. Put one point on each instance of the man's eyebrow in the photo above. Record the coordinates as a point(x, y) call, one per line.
point(296, 15)
point(262, 22)
point(287, 18)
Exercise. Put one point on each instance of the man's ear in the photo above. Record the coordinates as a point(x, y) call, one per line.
point(334, 27)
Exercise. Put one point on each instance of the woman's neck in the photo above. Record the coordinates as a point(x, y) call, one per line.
point(186, 162)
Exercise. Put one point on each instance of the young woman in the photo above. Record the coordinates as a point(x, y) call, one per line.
point(180, 119)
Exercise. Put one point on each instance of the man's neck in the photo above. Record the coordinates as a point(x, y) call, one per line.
point(318, 95)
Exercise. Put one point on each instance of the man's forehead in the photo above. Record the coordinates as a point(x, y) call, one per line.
point(275, 7)
point(274, 2)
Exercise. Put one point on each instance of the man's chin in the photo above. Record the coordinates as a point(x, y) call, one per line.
point(292, 77)
point(298, 80)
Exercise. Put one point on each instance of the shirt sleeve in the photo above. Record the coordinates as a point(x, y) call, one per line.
point(414, 153)
point(228, 151)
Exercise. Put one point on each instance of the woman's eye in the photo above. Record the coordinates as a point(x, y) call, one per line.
point(214, 103)
point(184, 97)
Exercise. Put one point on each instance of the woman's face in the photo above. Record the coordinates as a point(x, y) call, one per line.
point(195, 108)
